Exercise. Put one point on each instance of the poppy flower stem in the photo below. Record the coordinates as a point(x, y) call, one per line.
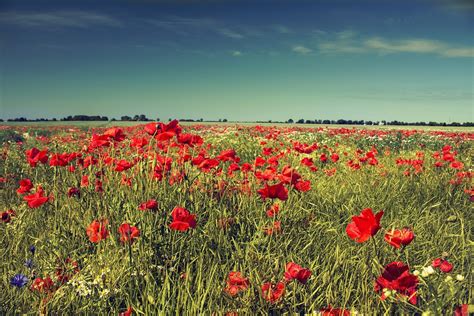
point(131, 267)
point(406, 254)
point(369, 256)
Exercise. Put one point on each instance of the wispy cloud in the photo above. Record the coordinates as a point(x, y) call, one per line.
point(236, 53)
point(351, 42)
point(73, 18)
point(406, 46)
point(185, 26)
point(230, 33)
point(303, 50)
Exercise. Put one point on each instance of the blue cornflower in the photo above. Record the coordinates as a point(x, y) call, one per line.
point(19, 280)
point(32, 249)
point(29, 263)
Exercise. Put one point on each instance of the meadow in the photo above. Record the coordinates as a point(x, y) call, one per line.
point(214, 219)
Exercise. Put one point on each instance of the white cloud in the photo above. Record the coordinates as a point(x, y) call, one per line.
point(301, 50)
point(409, 46)
point(80, 19)
point(350, 42)
point(459, 52)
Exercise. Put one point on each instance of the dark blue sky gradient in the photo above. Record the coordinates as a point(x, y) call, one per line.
point(241, 60)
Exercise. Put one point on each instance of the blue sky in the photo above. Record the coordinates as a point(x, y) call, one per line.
point(240, 60)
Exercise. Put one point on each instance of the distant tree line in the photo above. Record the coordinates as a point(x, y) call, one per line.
point(383, 122)
point(23, 119)
point(143, 118)
point(85, 118)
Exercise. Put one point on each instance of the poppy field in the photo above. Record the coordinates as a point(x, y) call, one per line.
point(161, 218)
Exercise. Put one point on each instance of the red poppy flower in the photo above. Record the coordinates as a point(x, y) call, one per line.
point(295, 271)
point(329, 311)
point(7, 216)
point(115, 133)
point(444, 265)
point(128, 312)
point(128, 233)
point(289, 175)
point(151, 128)
point(42, 285)
point(462, 310)
point(25, 186)
point(190, 139)
point(303, 186)
point(396, 276)
point(364, 226)
point(123, 165)
point(138, 142)
point(323, 158)
point(165, 132)
point(73, 192)
point(99, 141)
point(274, 191)
point(148, 205)
point(37, 199)
point(236, 283)
point(273, 292)
point(85, 181)
point(59, 160)
point(182, 219)
point(34, 155)
point(227, 155)
point(398, 237)
point(273, 210)
point(97, 230)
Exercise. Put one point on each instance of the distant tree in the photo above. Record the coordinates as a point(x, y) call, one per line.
point(113, 119)
point(224, 120)
point(157, 119)
point(18, 119)
point(326, 122)
point(300, 121)
point(125, 118)
point(142, 117)
point(169, 120)
point(341, 121)
point(290, 121)
point(201, 120)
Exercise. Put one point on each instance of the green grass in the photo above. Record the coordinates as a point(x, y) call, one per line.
point(313, 230)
